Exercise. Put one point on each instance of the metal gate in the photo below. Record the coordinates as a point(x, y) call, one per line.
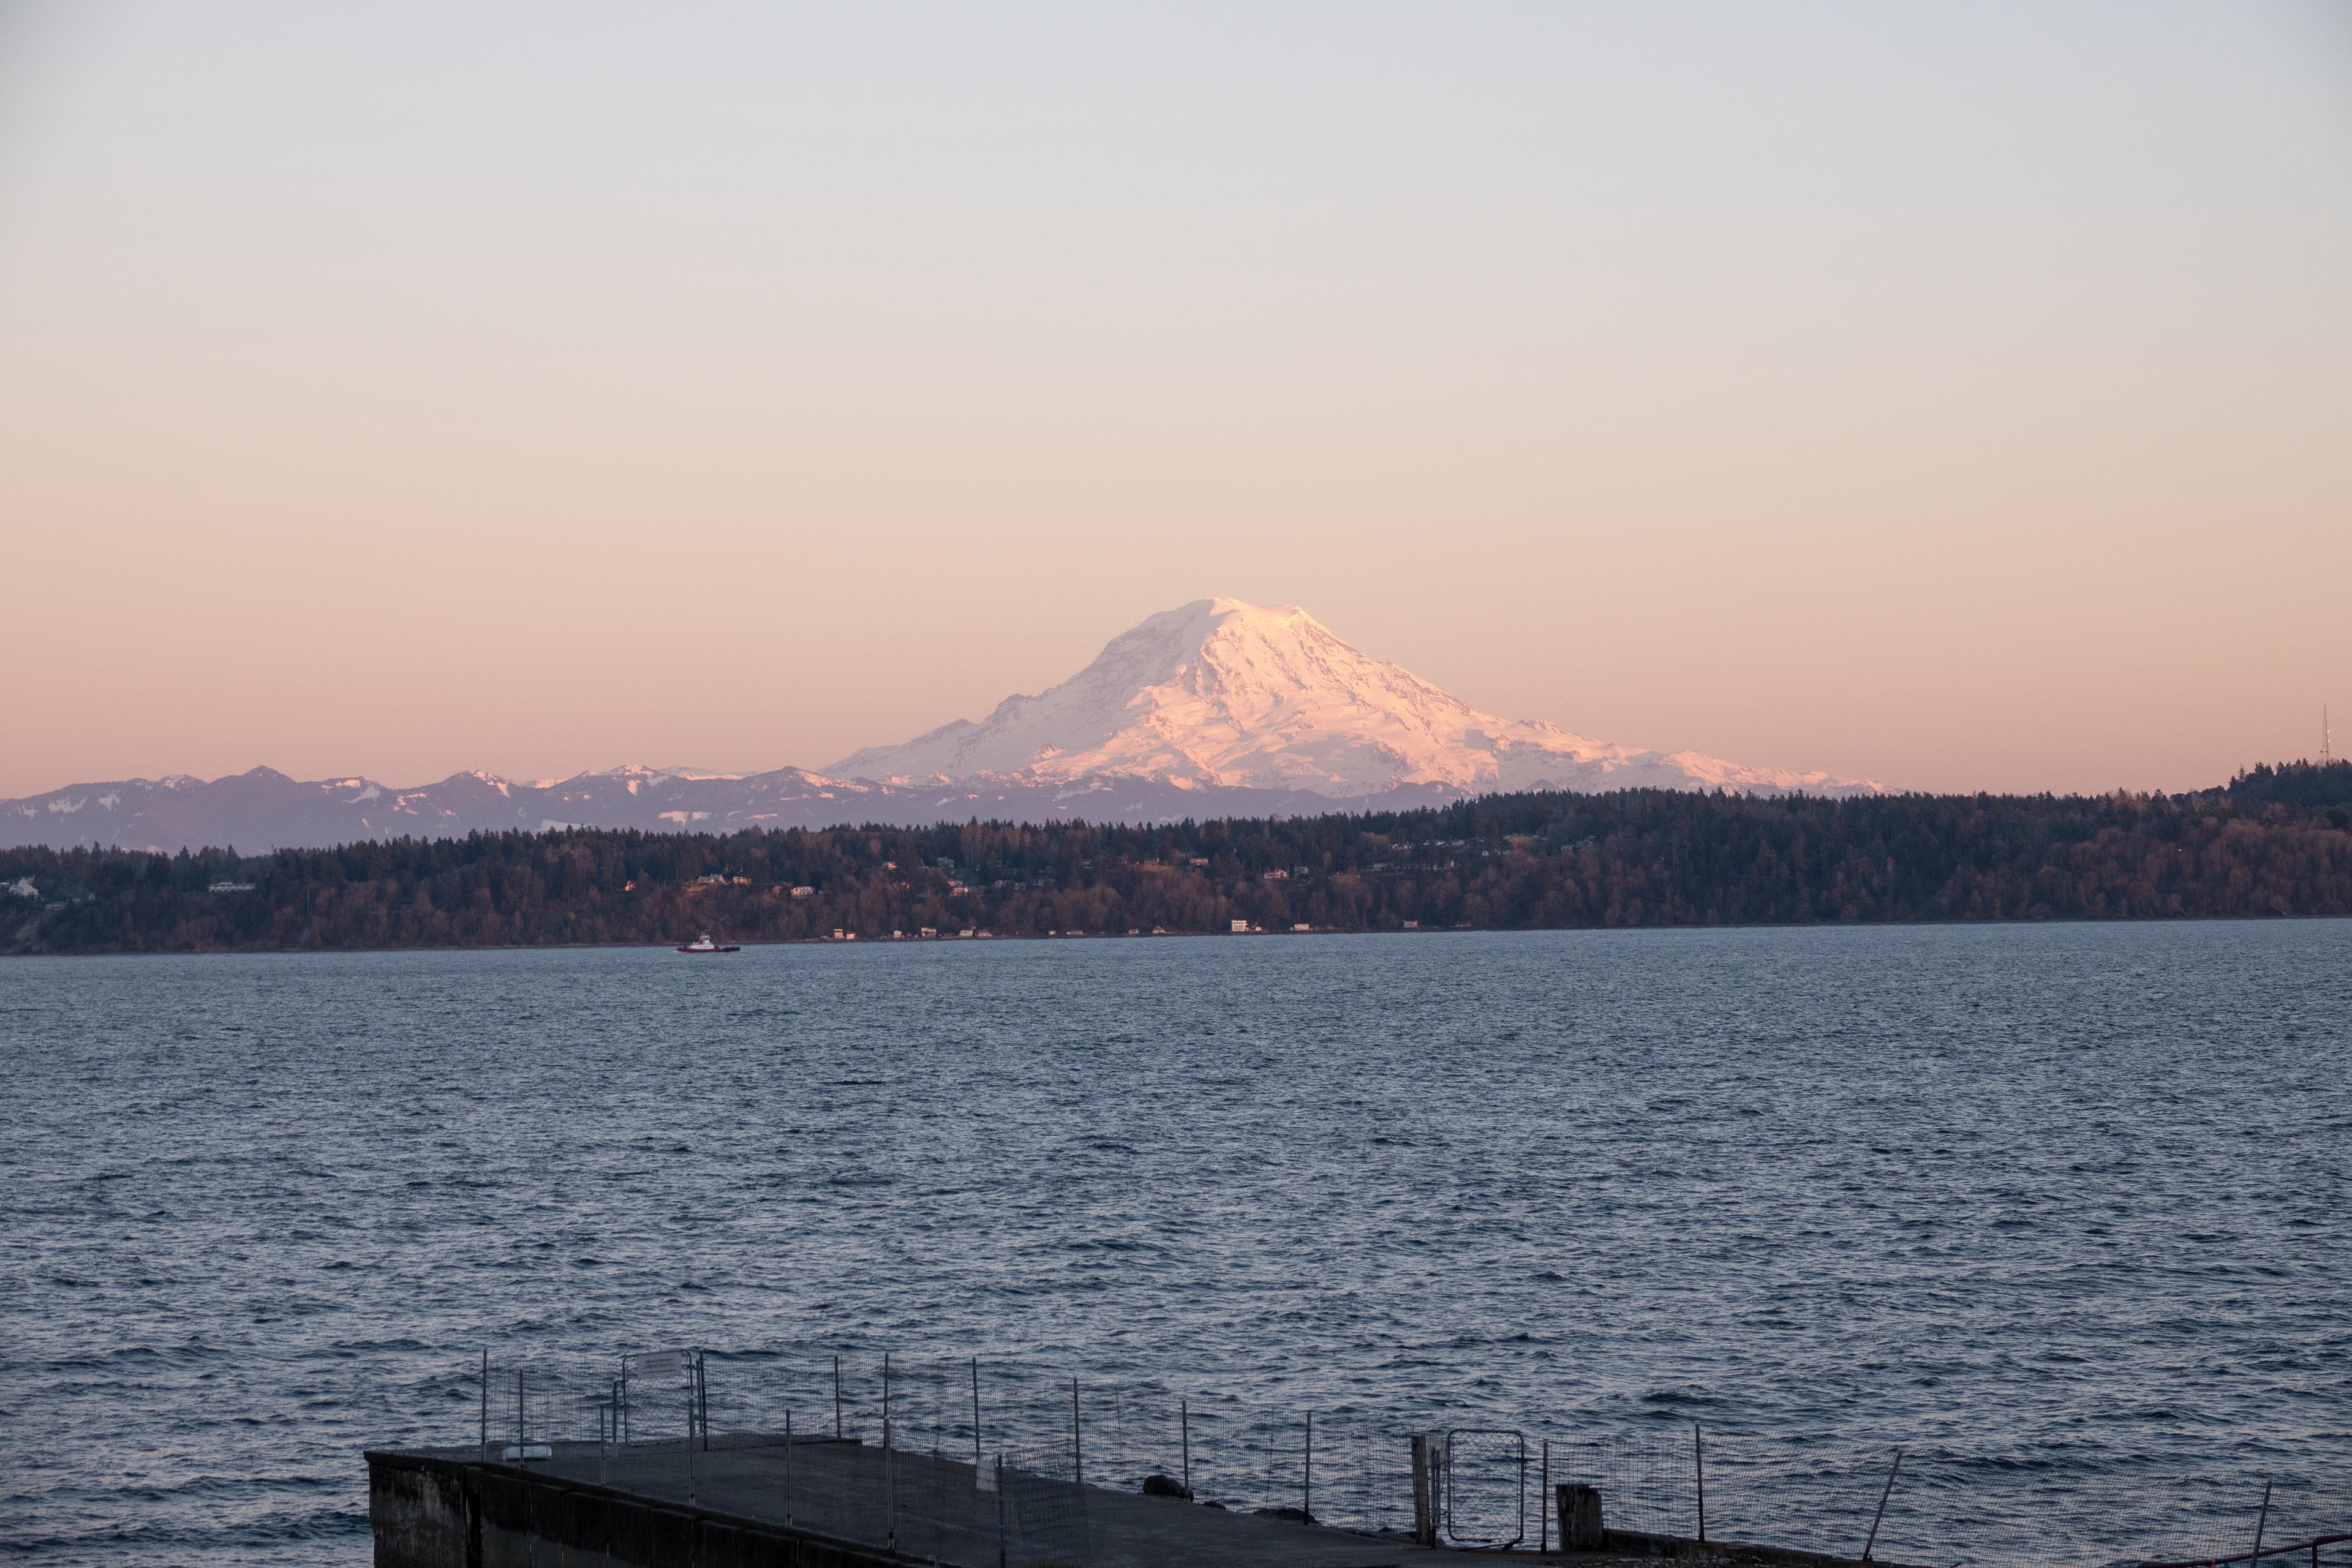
point(1482, 1489)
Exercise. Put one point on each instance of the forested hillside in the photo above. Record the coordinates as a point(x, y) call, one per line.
point(2273, 843)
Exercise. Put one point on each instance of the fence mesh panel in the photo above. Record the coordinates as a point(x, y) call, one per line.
point(1648, 1480)
point(1045, 1508)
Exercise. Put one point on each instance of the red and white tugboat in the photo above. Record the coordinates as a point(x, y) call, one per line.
point(703, 944)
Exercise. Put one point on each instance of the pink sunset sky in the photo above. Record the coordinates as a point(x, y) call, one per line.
point(1955, 395)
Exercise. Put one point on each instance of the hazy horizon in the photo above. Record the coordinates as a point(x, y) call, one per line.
point(1954, 397)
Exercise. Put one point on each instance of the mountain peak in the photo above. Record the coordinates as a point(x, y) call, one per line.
point(1222, 693)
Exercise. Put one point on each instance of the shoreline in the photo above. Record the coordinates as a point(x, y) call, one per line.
point(748, 943)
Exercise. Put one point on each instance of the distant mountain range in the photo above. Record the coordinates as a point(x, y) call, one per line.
point(1216, 709)
point(265, 809)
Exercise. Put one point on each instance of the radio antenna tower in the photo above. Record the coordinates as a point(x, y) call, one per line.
point(2324, 737)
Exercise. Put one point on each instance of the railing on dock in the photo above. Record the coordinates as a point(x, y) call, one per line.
point(948, 1427)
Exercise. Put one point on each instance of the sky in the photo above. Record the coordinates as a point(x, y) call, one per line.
point(1955, 395)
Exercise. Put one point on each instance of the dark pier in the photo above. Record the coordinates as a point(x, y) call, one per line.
point(758, 1501)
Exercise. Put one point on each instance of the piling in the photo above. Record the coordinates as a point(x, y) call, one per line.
point(1424, 1491)
point(1580, 1516)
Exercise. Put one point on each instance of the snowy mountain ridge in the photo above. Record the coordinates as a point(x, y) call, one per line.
point(1215, 708)
point(1218, 694)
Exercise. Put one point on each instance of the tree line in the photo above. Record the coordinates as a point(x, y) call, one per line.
point(2274, 842)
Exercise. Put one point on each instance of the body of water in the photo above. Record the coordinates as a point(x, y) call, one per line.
point(2065, 1211)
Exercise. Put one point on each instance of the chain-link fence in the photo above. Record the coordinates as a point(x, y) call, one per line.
point(960, 1458)
point(1649, 1481)
point(1043, 1507)
point(644, 1397)
point(1135, 1436)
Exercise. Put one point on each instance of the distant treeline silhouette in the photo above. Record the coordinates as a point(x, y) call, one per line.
point(2275, 841)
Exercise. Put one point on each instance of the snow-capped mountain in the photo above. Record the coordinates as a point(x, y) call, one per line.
point(1220, 695)
point(1218, 708)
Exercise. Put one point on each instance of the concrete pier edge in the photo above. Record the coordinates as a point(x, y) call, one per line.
point(1635, 1543)
point(427, 1511)
point(436, 1510)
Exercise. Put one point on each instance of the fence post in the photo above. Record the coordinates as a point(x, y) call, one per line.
point(889, 1469)
point(1698, 1457)
point(486, 1404)
point(788, 1469)
point(837, 1397)
point(520, 1430)
point(975, 1412)
point(1077, 1439)
point(2256, 1560)
point(1543, 1525)
point(1000, 1512)
point(1184, 1427)
point(1881, 1514)
point(1307, 1480)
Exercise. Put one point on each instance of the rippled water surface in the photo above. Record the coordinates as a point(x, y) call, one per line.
point(2063, 1210)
